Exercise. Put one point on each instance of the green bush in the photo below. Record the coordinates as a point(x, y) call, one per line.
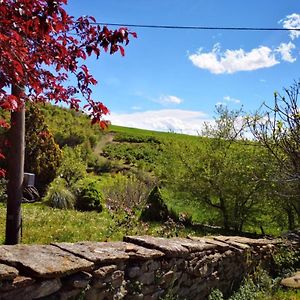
point(89, 195)
point(42, 155)
point(59, 196)
point(126, 192)
point(3, 192)
point(72, 167)
point(156, 209)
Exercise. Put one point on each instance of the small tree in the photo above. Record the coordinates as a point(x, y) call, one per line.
point(222, 172)
point(42, 154)
point(277, 128)
point(40, 47)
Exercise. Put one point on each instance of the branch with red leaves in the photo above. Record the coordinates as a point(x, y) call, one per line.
point(37, 37)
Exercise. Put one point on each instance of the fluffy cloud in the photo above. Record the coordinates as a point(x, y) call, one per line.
point(290, 22)
point(232, 61)
point(176, 120)
point(285, 51)
point(230, 99)
point(168, 99)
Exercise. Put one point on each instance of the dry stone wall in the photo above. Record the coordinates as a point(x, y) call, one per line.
point(141, 267)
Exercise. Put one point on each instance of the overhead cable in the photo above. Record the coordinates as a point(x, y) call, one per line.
point(196, 27)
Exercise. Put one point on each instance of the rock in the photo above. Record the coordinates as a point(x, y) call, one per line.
point(105, 271)
point(108, 252)
point(147, 278)
point(18, 282)
point(7, 272)
point(33, 291)
point(43, 260)
point(78, 281)
point(217, 244)
point(171, 247)
point(117, 279)
point(292, 282)
point(133, 272)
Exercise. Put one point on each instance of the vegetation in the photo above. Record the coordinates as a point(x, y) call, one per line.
point(42, 154)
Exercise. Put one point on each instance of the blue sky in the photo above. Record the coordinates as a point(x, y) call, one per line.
point(172, 79)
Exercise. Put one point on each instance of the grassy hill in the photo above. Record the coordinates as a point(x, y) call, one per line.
point(120, 166)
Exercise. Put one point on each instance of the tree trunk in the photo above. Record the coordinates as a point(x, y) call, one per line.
point(15, 172)
point(224, 214)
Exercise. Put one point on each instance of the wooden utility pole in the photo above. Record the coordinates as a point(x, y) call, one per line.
point(15, 172)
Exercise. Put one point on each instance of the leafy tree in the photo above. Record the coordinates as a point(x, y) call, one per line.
point(40, 47)
point(277, 128)
point(42, 154)
point(223, 172)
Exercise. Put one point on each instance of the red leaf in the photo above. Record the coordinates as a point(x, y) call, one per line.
point(122, 50)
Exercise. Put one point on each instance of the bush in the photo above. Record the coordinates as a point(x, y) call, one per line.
point(42, 155)
point(59, 196)
point(3, 192)
point(72, 167)
point(89, 195)
point(156, 209)
point(126, 192)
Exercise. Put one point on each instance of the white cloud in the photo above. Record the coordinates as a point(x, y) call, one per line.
point(136, 108)
point(232, 61)
point(176, 120)
point(221, 103)
point(290, 22)
point(169, 99)
point(285, 50)
point(230, 99)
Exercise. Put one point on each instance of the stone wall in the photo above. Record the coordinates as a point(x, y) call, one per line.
point(141, 267)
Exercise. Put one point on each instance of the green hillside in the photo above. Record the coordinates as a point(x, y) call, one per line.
point(203, 184)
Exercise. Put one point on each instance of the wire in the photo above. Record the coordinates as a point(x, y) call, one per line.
point(196, 27)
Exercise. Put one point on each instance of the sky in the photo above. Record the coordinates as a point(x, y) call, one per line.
point(172, 80)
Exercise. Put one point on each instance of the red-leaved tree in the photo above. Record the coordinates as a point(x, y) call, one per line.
point(41, 46)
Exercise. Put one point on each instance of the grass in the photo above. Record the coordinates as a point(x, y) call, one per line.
point(290, 294)
point(45, 225)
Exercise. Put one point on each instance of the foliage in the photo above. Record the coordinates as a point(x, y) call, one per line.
point(70, 127)
point(216, 295)
point(72, 167)
point(89, 195)
point(156, 209)
point(224, 174)
point(3, 192)
point(38, 34)
point(285, 260)
point(277, 128)
point(126, 192)
point(59, 196)
point(42, 154)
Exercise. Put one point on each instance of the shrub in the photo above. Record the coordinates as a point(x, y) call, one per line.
point(42, 154)
point(72, 167)
point(126, 192)
point(89, 195)
point(59, 196)
point(3, 192)
point(156, 209)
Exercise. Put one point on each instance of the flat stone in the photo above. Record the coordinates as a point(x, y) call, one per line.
point(42, 260)
point(171, 247)
point(7, 272)
point(33, 291)
point(109, 252)
point(212, 241)
point(233, 243)
point(104, 271)
point(292, 282)
point(248, 241)
point(18, 282)
point(195, 245)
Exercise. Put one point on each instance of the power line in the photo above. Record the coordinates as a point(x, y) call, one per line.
point(196, 27)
